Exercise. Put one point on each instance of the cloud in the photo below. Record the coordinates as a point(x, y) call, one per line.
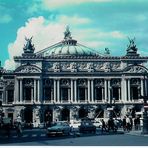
point(73, 20)
point(5, 18)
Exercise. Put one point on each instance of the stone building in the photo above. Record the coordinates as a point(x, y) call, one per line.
point(69, 81)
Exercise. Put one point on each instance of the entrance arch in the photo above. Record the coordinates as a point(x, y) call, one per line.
point(48, 115)
point(116, 112)
point(83, 113)
point(28, 115)
point(99, 113)
point(65, 114)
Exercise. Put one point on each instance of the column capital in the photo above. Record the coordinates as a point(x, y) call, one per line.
point(19, 78)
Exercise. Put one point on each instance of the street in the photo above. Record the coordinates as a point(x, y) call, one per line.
point(37, 137)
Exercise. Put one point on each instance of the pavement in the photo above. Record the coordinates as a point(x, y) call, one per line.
point(41, 133)
point(136, 133)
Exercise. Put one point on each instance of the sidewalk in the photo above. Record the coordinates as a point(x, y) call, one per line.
point(136, 133)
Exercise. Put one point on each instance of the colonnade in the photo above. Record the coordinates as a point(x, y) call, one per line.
point(124, 91)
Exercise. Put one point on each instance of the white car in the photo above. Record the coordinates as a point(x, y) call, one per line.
point(98, 124)
point(75, 123)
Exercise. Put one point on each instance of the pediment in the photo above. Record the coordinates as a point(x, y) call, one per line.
point(28, 69)
point(135, 69)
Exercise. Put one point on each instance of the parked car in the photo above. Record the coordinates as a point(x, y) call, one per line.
point(87, 126)
point(75, 123)
point(59, 127)
point(98, 124)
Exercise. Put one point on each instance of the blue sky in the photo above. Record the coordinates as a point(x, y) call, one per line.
point(95, 23)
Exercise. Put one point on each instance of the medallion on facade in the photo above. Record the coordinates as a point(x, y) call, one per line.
point(82, 82)
point(99, 82)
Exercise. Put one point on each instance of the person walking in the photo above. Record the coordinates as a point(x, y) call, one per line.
point(124, 123)
point(103, 126)
point(128, 123)
point(131, 123)
point(19, 129)
point(135, 123)
point(138, 123)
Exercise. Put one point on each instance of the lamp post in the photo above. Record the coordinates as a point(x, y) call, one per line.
point(145, 105)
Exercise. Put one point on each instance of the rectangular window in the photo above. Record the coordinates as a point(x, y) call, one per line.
point(98, 94)
point(10, 96)
point(47, 93)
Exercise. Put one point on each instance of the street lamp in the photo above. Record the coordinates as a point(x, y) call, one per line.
point(145, 115)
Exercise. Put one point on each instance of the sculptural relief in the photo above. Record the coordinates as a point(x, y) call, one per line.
point(115, 66)
point(136, 69)
point(56, 67)
point(29, 69)
point(73, 67)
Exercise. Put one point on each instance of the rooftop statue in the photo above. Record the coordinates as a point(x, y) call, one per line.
point(131, 46)
point(29, 47)
point(67, 33)
point(107, 51)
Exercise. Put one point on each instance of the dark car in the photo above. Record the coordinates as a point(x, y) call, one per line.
point(59, 127)
point(87, 126)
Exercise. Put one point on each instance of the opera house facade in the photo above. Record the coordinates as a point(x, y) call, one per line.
point(69, 81)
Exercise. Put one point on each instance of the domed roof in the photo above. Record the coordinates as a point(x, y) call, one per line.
point(68, 46)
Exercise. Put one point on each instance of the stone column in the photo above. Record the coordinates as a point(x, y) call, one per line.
point(38, 90)
point(72, 91)
point(119, 89)
point(142, 89)
point(92, 90)
point(16, 91)
point(32, 95)
point(58, 90)
point(129, 90)
point(55, 90)
point(69, 94)
point(6, 100)
point(102, 94)
point(124, 90)
point(35, 97)
point(21, 97)
point(88, 88)
point(105, 86)
point(109, 94)
point(75, 90)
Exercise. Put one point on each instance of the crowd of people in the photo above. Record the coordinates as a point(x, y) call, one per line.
point(127, 123)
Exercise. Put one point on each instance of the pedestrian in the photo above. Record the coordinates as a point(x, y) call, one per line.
point(7, 128)
point(128, 123)
point(138, 123)
point(19, 129)
point(131, 123)
point(135, 123)
point(124, 123)
point(103, 126)
point(115, 124)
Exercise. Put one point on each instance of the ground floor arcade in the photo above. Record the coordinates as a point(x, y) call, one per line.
point(48, 113)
